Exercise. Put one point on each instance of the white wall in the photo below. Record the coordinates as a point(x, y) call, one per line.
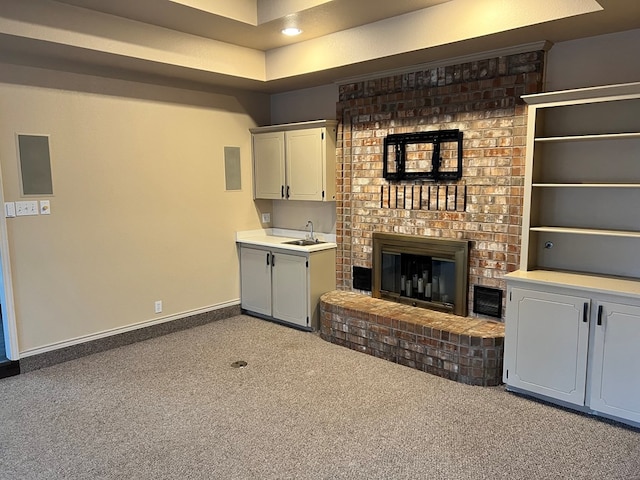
point(317, 103)
point(139, 212)
point(602, 60)
point(294, 215)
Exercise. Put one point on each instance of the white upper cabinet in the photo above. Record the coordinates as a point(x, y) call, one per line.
point(269, 169)
point(305, 167)
point(295, 161)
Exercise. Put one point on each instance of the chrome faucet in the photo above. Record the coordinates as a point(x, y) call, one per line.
point(310, 224)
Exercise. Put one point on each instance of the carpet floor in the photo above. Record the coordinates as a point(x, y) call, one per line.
point(174, 407)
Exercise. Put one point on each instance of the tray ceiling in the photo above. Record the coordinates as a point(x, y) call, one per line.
point(218, 43)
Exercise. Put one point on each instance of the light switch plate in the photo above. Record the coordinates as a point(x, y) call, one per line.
point(10, 209)
point(45, 207)
point(27, 208)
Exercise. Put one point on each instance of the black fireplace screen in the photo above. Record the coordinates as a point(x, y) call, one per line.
point(419, 276)
point(425, 272)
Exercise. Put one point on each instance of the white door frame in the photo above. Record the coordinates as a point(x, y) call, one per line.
point(6, 296)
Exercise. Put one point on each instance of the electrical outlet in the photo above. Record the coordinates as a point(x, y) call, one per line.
point(266, 217)
point(158, 306)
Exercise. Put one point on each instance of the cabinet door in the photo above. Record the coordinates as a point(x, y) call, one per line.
point(290, 289)
point(268, 165)
point(305, 163)
point(255, 278)
point(546, 341)
point(615, 377)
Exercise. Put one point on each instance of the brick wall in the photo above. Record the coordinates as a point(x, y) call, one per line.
point(482, 99)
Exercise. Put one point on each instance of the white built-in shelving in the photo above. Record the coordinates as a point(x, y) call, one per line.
point(573, 308)
point(582, 182)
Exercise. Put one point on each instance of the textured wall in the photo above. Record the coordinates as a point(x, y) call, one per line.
point(480, 98)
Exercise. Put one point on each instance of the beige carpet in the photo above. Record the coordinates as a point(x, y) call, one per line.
point(173, 407)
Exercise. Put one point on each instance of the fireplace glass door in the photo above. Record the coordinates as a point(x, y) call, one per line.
point(421, 271)
point(418, 277)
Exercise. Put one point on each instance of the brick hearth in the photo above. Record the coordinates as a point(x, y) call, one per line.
point(463, 349)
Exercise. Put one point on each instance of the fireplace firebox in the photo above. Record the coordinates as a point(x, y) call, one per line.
point(421, 271)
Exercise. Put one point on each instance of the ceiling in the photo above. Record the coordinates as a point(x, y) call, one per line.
point(221, 43)
point(322, 19)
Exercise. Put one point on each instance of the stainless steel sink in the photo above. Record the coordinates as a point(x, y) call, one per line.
point(303, 243)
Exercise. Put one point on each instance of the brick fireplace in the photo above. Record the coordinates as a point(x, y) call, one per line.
point(479, 98)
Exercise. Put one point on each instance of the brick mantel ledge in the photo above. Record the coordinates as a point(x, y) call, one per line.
point(467, 350)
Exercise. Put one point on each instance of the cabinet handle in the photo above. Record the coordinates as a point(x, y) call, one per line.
point(273, 260)
point(287, 191)
point(599, 314)
point(282, 191)
point(268, 259)
point(585, 316)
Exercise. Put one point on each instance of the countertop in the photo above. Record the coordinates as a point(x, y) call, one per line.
point(583, 281)
point(275, 238)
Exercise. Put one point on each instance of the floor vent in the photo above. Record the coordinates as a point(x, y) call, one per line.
point(487, 301)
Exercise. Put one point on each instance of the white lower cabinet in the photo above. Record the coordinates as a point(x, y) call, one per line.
point(574, 347)
point(289, 289)
point(256, 280)
point(284, 285)
point(547, 344)
point(615, 375)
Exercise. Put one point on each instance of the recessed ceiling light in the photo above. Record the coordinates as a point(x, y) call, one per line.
point(291, 31)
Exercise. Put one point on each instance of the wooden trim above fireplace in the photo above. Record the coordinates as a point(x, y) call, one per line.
point(446, 249)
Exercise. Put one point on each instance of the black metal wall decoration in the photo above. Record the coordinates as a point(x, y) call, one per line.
point(405, 155)
point(447, 197)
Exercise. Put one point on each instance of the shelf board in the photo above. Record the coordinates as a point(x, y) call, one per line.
point(586, 185)
point(584, 95)
point(587, 138)
point(588, 231)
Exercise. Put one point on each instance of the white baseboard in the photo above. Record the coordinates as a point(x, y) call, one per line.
point(115, 331)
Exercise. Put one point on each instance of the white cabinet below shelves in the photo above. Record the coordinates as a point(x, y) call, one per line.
point(285, 286)
point(295, 161)
point(572, 340)
point(547, 338)
point(615, 380)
